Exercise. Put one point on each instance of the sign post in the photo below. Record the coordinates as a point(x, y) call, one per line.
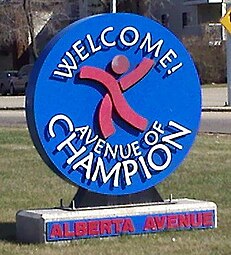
point(114, 110)
point(114, 3)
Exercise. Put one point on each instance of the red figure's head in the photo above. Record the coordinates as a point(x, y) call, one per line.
point(120, 64)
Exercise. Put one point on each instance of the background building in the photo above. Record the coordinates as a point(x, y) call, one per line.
point(192, 17)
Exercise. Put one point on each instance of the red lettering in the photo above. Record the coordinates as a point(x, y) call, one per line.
point(208, 219)
point(184, 220)
point(117, 223)
point(149, 224)
point(66, 230)
point(196, 220)
point(172, 221)
point(56, 231)
point(128, 226)
point(93, 228)
point(105, 227)
point(160, 221)
point(80, 228)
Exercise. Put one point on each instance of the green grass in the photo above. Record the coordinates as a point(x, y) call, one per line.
point(26, 182)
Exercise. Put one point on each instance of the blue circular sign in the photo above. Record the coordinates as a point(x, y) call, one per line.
point(113, 103)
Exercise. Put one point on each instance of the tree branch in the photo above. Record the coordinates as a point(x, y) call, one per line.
point(30, 23)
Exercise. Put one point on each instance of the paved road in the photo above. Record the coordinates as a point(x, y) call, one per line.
point(212, 122)
point(216, 122)
point(12, 118)
point(219, 122)
point(210, 97)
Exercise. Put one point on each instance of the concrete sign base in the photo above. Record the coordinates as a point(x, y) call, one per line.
point(66, 224)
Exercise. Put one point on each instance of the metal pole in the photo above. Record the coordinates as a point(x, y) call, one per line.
point(228, 61)
point(114, 6)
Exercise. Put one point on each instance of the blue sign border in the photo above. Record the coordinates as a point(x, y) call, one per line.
point(168, 97)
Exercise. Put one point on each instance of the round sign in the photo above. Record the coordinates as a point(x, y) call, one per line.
point(113, 103)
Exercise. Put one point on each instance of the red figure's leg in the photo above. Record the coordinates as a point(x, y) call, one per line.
point(119, 102)
point(105, 117)
point(137, 74)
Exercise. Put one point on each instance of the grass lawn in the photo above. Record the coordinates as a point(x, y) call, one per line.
point(26, 182)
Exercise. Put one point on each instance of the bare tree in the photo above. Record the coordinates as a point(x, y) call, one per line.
point(144, 7)
point(41, 14)
point(124, 5)
point(21, 21)
point(13, 36)
point(105, 4)
point(30, 24)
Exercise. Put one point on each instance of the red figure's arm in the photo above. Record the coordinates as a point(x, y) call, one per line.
point(119, 102)
point(137, 74)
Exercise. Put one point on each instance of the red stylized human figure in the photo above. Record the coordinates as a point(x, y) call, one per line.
point(115, 88)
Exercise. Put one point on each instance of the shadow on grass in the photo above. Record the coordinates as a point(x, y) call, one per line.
point(8, 231)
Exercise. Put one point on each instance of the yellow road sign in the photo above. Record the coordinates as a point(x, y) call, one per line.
point(226, 20)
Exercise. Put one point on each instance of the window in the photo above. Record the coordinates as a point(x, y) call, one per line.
point(184, 19)
point(165, 20)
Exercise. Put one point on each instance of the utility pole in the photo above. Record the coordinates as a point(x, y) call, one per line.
point(113, 3)
point(228, 56)
point(226, 22)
